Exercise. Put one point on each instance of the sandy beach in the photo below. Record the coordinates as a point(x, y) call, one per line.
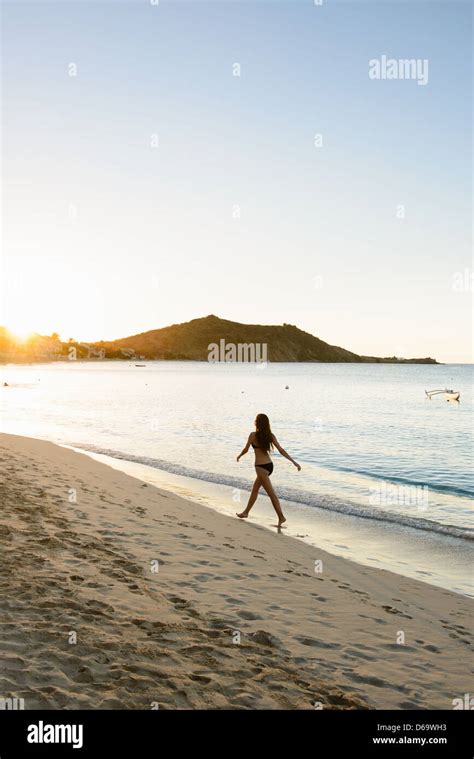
point(115, 594)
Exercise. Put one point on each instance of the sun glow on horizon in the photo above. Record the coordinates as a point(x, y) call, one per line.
point(21, 335)
point(21, 323)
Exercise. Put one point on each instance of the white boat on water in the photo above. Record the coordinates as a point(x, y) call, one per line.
point(451, 395)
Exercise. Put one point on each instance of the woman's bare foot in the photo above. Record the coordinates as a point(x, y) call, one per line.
point(242, 516)
point(281, 521)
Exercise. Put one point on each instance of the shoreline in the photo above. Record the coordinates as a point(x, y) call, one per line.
point(366, 541)
point(307, 639)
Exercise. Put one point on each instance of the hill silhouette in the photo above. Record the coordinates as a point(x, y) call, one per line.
point(191, 340)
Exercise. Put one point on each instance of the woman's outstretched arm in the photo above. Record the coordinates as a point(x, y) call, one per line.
point(284, 453)
point(247, 446)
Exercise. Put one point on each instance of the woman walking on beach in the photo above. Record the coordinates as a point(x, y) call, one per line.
point(262, 440)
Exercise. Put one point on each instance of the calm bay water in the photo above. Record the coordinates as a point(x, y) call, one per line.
point(369, 442)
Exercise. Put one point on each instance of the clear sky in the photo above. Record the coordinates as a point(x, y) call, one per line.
point(364, 240)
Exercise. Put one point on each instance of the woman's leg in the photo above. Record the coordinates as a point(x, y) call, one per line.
point(252, 499)
point(266, 483)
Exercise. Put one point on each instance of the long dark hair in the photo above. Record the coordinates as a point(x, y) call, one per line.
point(263, 433)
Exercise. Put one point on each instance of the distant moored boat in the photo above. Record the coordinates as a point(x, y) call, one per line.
point(451, 395)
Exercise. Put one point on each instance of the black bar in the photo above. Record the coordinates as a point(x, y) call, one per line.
point(156, 733)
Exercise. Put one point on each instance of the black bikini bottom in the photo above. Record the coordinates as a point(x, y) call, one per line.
point(268, 467)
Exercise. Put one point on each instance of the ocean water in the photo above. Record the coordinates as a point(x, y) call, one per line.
point(387, 476)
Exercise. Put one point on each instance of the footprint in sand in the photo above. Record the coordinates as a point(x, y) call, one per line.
point(392, 610)
point(201, 678)
point(264, 638)
point(99, 607)
point(248, 615)
point(316, 643)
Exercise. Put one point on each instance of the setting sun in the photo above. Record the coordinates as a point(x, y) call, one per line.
point(21, 335)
